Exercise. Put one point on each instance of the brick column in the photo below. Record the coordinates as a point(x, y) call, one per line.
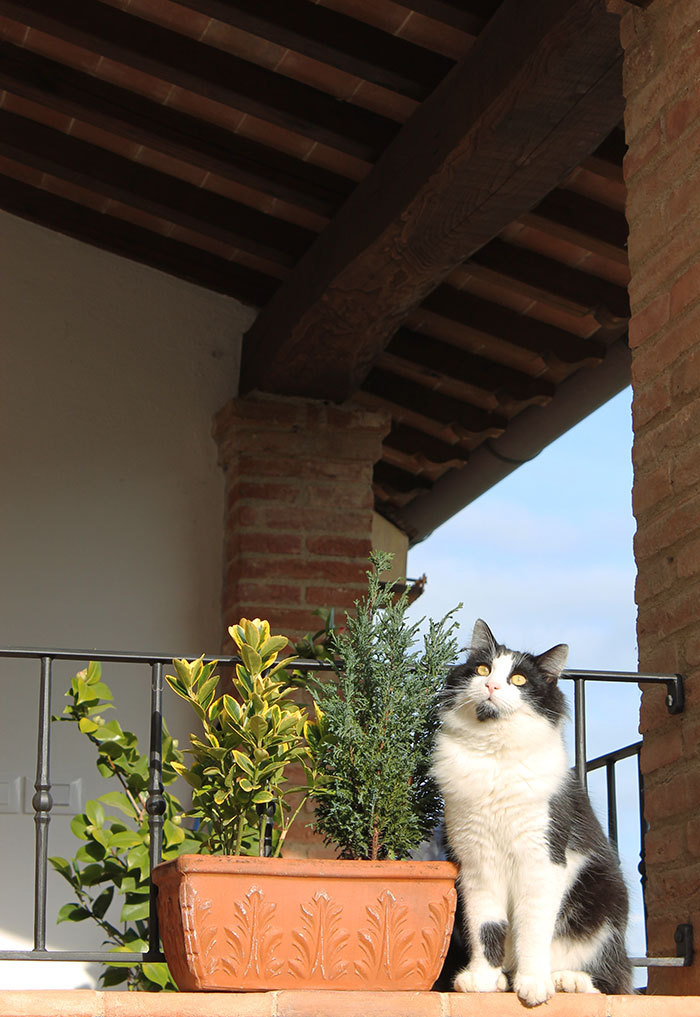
point(299, 507)
point(662, 171)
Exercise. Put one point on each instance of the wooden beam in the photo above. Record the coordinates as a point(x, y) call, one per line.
point(170, 131)
point(517, 329)
point(532, 98)
point(469, 18)
point(151, 191)
point(445, 359)
point(553, 281)
point(208, 72)
point(120, 237)
point(335, 39)
point(431, 403)
point(411, 441)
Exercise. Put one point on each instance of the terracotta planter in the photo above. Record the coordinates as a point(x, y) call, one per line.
point(232, 923)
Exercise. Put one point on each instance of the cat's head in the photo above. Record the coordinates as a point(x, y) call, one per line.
point(497, 682)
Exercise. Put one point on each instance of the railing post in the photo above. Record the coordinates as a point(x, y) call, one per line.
point(155, 804)
point(42, 804)
point(580, 730)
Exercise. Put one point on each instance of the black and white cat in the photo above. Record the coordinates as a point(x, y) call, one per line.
point(543, 899)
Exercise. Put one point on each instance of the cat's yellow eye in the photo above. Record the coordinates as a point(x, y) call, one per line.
point(518, 679)
point(483, 670)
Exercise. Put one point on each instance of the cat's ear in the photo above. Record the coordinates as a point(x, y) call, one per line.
point(553, 661)
point(482, 637)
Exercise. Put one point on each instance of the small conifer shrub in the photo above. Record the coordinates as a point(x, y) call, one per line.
point(379, 719)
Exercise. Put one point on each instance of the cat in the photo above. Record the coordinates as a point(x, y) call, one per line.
point(544, 902)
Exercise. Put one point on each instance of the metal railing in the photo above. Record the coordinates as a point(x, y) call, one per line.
point(42, 802)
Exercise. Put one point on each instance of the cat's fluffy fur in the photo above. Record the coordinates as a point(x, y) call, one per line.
point(544, 903)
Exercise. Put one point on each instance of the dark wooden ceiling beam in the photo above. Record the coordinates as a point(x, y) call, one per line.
point(393, 478)
point(531, 98)
point(209, 72)
point(469, 18)
point(517, 329)
point(137, 244)
point(432, 403)
point(149, 190)
point(553, 280)
point(335, 39)
point(445, 359)
point(585, 217)
point(410, 441)
point(170, 131)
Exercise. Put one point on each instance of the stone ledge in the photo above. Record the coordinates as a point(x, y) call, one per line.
point(87, 1003)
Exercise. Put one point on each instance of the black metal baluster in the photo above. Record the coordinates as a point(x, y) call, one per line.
point(612, 801)
point(42, 803)
point(580, 730)
point(155, 805)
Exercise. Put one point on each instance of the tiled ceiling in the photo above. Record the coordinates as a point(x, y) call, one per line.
point(218, 140)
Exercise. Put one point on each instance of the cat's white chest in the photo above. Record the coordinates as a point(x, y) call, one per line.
point(498, 779)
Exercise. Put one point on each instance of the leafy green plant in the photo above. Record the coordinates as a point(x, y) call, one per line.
point(114, 858)
point(379, 716)
point(239, 771)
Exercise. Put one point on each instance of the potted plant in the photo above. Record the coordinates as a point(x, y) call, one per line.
point(368, 920)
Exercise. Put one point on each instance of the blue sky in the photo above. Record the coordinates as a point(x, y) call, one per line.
point(546, 557)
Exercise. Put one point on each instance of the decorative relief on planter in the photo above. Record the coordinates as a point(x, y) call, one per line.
point(321, 940)
point(435, 938)
point(251, 942)
point(387, 943)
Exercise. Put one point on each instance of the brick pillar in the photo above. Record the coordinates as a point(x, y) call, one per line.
point(662, 171)
point(299, 506)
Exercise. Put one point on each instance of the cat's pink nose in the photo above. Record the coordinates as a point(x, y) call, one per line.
point(492, 685)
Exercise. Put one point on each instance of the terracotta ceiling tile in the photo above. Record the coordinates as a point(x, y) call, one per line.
point(606, 269)
point(380, 13)
point(134, 80)
point(80, 195)
point(34, 111)
point(265, 203)
point(11, 31)
point(605, 190)
point(435, 36)
point(381, 100)
point(134, 215)
point(194, 175)
point(63, 52)
point(318, 75)
point(18, 171)
point(207, 109)
point(243, 44)
point(104, 139)
point(170, 15)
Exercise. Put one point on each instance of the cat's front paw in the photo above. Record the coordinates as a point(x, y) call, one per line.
point(573, 981)
point(481, 980)
point(534, 989)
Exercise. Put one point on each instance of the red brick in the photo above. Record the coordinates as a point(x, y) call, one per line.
point(340, 596)
point(651, 489)
point(339, 547)
point(271, 543)
point(650, 400)
point(684, 201)
point(645, 148)
point(662, 846)
point(649, 320)
point(685, 376)
point(269, 492)
point(661, 750)
point(678, 521)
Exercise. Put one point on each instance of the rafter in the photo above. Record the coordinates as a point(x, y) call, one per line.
point(149, 190)
point(335, 39)
point(170, 131)
point(123, 238)
point(208, 72)
point(530, 99)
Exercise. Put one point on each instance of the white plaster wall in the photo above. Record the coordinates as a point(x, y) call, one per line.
point(111, 508)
